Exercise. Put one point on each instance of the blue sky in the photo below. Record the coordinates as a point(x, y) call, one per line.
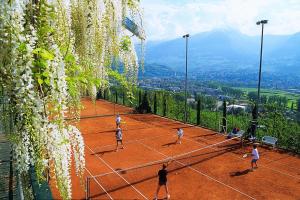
point(168, 19)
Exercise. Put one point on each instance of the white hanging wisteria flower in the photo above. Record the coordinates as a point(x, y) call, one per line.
point(52, 52)
point(77, 143)
point(59, 149)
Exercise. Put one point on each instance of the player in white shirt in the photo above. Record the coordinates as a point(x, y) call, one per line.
point(118, 121)
point(119, 138)
point(179, 134)
point(255, 156)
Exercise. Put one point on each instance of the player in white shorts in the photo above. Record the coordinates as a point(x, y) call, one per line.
point(179, 134)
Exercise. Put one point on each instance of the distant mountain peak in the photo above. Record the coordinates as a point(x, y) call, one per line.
point(227, 49)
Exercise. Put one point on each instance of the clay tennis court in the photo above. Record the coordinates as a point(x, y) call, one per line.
point(210, 167)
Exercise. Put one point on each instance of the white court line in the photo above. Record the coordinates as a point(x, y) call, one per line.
point(212, 178)
point(275, 170)
point(99, 184)
point(117, 173)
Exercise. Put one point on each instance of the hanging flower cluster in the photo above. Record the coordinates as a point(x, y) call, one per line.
point(52, 53)
point(102, 42)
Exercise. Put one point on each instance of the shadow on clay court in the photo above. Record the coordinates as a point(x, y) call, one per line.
point(180, 164)
point(232, 145)
point(240, 173)
point(108, 131)
point(205, 135)
point(207, 142)
point(183, 126)
point(169, 144)
point(103, 152)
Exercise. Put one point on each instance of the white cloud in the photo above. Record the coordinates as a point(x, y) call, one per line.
point(167, 19)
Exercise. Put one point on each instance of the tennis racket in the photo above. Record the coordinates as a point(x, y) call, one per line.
point(245, 155)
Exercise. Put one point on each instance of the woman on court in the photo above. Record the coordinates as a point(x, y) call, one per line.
point(162, 180)
point(119, 138)
point(179, 134)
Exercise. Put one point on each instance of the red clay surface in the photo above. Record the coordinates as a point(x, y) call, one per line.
point(212, 172)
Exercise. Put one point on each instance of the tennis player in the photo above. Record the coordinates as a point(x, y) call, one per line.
point(118, 121)
point(119, 138)
point(255, 157)
point(179, 134)
point(162, 180)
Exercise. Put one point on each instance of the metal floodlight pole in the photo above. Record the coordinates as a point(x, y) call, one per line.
point(262, 22)
point(186, 64)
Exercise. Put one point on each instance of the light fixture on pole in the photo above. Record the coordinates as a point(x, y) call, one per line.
point(262, 23)
point(186, 57)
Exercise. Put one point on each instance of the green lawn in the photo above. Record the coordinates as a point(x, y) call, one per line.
point(292, 97)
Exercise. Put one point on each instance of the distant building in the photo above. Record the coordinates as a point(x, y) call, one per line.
point(297, 91)
point(223, 97)
point(190, 100)
point(211, 91)
point(236, 108)
point(174, 89)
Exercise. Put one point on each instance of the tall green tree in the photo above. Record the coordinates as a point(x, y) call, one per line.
point(123, 96)
point(252, 96)
point(164, 105)
point(224, 119)
point(198, 111)
point(298, 111)
point(144, 107)
point(116, 93)
point(140, 97)
point(155, 104)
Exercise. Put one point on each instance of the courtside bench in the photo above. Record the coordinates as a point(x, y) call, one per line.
point(239, 134)
point(269, 140)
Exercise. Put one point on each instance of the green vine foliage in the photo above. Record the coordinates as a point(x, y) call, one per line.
point(53, 53)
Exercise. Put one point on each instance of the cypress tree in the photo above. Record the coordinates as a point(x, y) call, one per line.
point(105, 94)
point(224, 127)
point(198, 111)
point(140, 97)
point(164, 106)
point(155, 103)
point(123, 97)
point(145, 106)
point(116, 100)
point(254, 113)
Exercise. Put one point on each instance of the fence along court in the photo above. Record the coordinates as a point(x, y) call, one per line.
point(101, 108)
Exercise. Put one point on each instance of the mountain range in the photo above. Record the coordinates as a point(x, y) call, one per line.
point(226, 50)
